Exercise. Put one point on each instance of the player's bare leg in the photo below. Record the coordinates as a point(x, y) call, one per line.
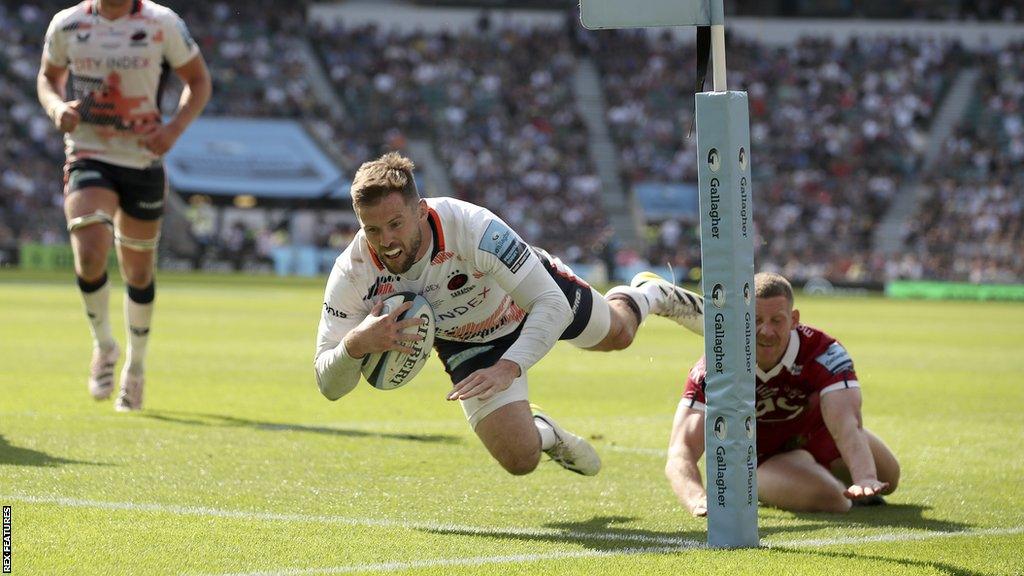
point(89, 215)
point(516, 433)
point(886, 466)
point(647, 294)
point(614, 319)
point(136, 249)
point(795, 481)
point(511, 437)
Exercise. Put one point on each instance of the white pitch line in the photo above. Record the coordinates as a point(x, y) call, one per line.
point(665, 545)
point(472, 561)
point(890, 537)
point(440, 527)
point(522, 558)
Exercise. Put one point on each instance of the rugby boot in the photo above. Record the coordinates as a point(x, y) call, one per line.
point(570, 451)
point(101, 371)
point(671, 301)
point(130, 398)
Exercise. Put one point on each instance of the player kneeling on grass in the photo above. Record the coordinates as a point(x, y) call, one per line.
point(499, 306)
point(813, 453)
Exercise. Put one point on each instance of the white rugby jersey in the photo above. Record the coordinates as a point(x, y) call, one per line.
point(474, 261)
point(116, 70)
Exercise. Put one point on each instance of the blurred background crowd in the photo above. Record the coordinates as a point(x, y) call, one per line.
point(859, 175)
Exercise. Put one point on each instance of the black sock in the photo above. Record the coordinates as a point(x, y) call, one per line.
point(89, 287)
point(142, 295)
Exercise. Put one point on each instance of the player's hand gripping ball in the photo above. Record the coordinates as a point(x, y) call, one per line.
point(394, 369)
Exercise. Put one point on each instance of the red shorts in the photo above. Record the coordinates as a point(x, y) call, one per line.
point(817, 440)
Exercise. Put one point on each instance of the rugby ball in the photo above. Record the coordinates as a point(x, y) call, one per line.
point(393, 369)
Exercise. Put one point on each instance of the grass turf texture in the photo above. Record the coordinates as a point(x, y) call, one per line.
point(238, 465)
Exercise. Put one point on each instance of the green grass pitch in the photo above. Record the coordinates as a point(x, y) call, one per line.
point(239, 466)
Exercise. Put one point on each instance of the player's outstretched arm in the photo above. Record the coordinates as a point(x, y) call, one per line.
point(841, 411)
point(549, 315)
point(685, 448)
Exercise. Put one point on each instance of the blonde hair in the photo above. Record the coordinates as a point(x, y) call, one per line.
point(376, 179)
point(770, 285)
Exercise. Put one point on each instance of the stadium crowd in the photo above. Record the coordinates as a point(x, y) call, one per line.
point(30, 153)
point(831, 144)
point(251, 50)
point(837, 129)
point(970, 225)
point(498, 110)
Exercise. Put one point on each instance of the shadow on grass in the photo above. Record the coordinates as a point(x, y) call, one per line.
point(15, 456)
point(934, 567)
point(910, 516)
point(598, 533)
point(198, 419)
point(601, 532)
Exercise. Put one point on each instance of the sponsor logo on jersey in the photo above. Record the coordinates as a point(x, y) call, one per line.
point(457, 281)
point(128, 62)
point(139, 38)
point(836, 359)
point(383, 286)
point(328, 309)
point(499, 240)
point(76, 26)
point(778, 404)
point(506, 313)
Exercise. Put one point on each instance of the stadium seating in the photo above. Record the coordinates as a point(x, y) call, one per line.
point(970, 226)
point(830, 143)
point(499, 109)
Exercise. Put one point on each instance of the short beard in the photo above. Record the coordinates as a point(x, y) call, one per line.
point(410, 257)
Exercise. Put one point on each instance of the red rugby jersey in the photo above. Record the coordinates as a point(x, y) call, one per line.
point(788, 395)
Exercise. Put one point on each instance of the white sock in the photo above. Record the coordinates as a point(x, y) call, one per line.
point(547, 434)
point(137, 317)
point(638, 296)
point(97, 309)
